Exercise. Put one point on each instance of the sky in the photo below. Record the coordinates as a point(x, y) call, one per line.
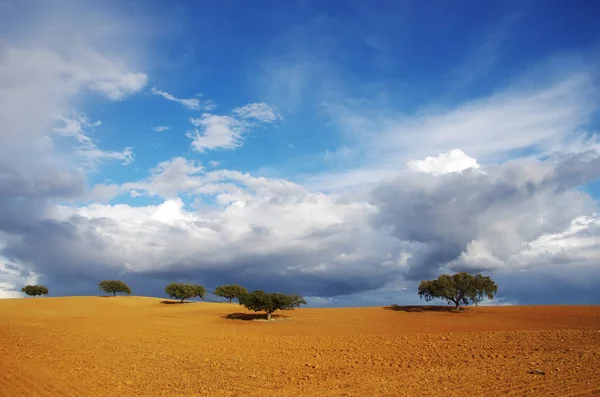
point(341, 150)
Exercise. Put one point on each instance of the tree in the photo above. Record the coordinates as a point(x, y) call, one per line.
point(185, 291)
point(35, 290)
point(230, 291)
point(459, 288)
point(270, 302)
point(114, 286)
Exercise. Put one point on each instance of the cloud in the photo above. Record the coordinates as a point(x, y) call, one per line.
point(161, 128)
point(454, 161)
point(488, 220)
point(228, 131)
point(270, 233)
point(277, 234)
point(51, 60)
point(86, 149)
point(544, 116)
point(13, 277)
point(258, 111)
point(190, 103)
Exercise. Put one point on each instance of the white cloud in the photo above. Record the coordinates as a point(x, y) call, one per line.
point(86, 149)
point(579, 243)
point(110, 77)
point(190, 103)
point(216, 132)
point(214, 163)
point(541, 119)
point(228, 131)
point(209, 105)
point(274, 216)
point(259, 111)
point(454, 161)
point(161, 128)
point(169, 178)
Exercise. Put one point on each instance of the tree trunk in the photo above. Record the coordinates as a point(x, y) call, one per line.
point(230, 300)
point(114, 294)
point(268, 316)
point(457, 304)
point(182, 300)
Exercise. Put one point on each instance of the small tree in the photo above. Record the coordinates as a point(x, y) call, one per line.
point(35, 290)
point(230, 291)
point(459, 288)
point(114, 286)
point(270, 302)
point(184, 291)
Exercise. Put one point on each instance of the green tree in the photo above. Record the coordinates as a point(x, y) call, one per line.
point(230, 291)
point(35, 290)
point(114, 286)
point(460, 288)
point(270, 302)
point(184, 291)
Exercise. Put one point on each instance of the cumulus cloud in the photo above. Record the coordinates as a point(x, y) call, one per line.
point(190, 103)
point(274, 234)
point(228, 131)
point(278, 235)
point(454, 161)
point(486, 220)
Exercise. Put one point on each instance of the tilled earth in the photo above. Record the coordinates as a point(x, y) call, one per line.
point(133, 346)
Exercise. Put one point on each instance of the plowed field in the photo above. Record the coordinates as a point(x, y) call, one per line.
point(133, 346)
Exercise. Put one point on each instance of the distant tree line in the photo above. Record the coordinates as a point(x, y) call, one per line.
point(460, 289)
point(268, 302)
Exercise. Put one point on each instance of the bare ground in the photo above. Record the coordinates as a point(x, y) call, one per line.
point(134, 346)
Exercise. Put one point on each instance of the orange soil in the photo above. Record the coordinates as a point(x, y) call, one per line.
point(134, 346)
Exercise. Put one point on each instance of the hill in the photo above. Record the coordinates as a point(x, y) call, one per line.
point(125, 346)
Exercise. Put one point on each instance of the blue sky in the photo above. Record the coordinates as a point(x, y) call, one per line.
point(343, 150)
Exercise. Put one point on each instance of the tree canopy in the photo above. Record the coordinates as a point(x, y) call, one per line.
point(230, 291)
point(270, 302)
point(184, 291)
point(114, 287)
point(460, 288)
point(35, 290)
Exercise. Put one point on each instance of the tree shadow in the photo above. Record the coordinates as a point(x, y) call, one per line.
point(251, 316)
point(175, 302)
point(421, 309)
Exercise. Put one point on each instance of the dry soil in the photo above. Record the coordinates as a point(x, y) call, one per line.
point(134, 346)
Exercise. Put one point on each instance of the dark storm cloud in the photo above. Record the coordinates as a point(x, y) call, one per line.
point(507, 205)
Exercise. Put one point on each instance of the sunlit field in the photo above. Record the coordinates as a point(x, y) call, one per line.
point(129, 346)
